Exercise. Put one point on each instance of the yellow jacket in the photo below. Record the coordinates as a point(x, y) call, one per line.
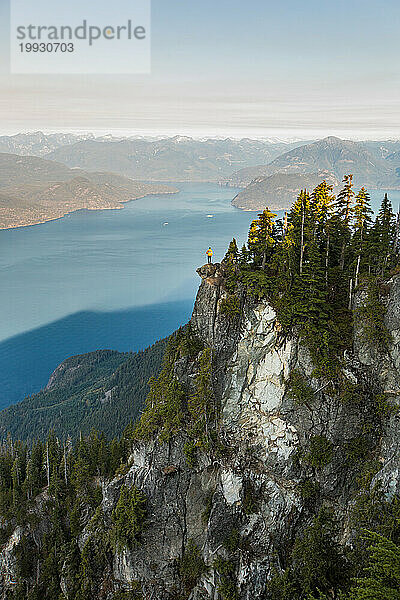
point(209, 252)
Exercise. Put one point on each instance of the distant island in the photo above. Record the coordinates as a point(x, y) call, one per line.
point(34, 190)
point(279, 190)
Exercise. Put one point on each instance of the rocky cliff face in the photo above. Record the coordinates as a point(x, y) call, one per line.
point(242, 507)
point(383, 369)
point(254, 489)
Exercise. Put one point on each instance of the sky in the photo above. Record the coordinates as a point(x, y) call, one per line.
point(260, 68)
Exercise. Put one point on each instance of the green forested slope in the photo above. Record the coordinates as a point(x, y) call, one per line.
point(307, 267)
point(103, 390)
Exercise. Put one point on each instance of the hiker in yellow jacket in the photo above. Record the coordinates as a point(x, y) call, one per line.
point(209, 255)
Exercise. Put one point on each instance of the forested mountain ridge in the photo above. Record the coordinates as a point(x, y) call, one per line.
point(265, 463)
point(104, 390)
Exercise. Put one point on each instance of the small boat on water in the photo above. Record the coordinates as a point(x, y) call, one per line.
point(210, 216)
point(166, 223)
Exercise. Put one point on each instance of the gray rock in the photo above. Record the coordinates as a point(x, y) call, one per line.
point(249, 491)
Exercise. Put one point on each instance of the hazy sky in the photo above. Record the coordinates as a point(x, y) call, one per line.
point(228, 67)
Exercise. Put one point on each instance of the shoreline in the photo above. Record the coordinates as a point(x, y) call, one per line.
point(120, 206)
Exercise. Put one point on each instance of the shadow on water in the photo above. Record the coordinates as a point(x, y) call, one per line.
point(27, 360)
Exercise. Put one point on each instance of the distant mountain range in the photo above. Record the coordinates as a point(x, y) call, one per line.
point(366, 161)
point(173, 159)
point(375, 165)
point(34, 190)
point(84, 171)
point(38, 143)
point(179, 158)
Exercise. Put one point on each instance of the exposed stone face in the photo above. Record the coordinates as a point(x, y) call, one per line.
point(212, 327)
point(265, 428)
point(8, 562)
point(252, 488)
point(255, 386)
point(385, 368)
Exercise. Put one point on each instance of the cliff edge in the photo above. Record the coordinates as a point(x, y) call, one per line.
point(287, 448)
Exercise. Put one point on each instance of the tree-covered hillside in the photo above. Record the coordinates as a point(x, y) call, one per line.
point(309, 265)
point(104, 390)
point(74, 518)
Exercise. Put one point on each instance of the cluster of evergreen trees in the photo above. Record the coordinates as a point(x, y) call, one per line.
point(60, 484)
point(309, 264)
point(171, 408)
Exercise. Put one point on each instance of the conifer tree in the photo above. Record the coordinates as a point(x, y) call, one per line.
point(313, 308)
point(382, 578)
point(232, 255)
point(343, 214)
point(243, 258)
point(321, 206)
point(285, 264)
point(362, 222)
point(262, 238)
point(298, 218)
point(231, 260)
point(345, 199)
point(129, 515)
point(381, 240)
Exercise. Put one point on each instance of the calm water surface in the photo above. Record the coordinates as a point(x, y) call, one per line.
point(107, 279)
point(111, 279)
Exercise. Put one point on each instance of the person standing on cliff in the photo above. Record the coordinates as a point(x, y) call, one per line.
point(209, 255)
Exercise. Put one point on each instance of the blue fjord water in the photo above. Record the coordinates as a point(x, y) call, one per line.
point(116, 279)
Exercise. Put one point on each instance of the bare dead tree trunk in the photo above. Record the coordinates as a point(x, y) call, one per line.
point(302, 238)
point(357, 270)
point(65, 466)
point(351, 294)
point(47, 464)
point(327, 260)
